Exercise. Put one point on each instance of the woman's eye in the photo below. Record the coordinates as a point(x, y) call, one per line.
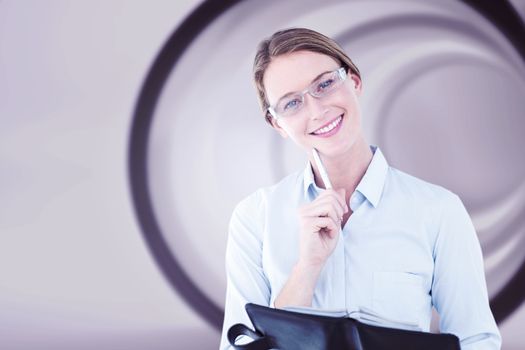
point(292, 104)
point(324, 84)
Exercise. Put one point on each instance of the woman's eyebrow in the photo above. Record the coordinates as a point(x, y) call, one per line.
point(314, 79)
point(317, 77)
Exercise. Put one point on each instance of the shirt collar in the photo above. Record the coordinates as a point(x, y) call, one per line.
point(372, 182)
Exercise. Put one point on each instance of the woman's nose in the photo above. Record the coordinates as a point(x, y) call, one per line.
point(314, 107)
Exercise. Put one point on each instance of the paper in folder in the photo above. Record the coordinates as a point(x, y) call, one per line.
point(308, 329)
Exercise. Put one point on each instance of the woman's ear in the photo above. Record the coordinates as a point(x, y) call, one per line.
point(358, 86)
point(279, 128)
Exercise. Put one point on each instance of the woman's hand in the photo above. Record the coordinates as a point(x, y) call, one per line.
point(320, 223)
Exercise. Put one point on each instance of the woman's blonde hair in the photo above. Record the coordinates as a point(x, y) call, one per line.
point(292, 40)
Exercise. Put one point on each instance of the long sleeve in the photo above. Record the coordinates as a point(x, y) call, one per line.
point(459, 290)
point(246, 280)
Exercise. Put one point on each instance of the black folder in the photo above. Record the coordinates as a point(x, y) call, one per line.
point(287, 330)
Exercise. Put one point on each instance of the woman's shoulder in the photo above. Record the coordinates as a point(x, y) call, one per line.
point(281, 190)
point(416, 187)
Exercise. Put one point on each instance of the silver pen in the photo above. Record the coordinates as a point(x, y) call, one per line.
point(322, 170)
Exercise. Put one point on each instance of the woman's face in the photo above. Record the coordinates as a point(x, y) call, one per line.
point(295, 72)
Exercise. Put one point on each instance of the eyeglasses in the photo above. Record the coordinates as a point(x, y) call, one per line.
point(292, 103)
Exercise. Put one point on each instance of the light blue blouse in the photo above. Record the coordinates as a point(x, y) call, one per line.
point(408, 245)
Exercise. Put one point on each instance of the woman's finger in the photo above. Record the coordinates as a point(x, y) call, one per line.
point(327, 208)
point(338, 195)
point(326, 225)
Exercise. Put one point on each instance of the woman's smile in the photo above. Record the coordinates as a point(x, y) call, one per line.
point(330, 128)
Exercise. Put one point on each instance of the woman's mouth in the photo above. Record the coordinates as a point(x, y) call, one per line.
point(330, 129)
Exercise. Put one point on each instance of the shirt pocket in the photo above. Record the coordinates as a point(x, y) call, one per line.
point(398, 296)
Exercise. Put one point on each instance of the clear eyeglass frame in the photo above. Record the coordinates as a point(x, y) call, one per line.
point(284, 109)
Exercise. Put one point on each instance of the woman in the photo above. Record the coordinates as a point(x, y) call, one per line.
point(380, 241)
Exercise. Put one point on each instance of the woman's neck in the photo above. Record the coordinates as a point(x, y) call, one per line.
point(346, 170)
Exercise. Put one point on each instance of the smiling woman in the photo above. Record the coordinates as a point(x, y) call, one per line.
point(379, 240)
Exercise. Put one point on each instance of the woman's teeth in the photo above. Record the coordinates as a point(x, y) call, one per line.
point(329, 127)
